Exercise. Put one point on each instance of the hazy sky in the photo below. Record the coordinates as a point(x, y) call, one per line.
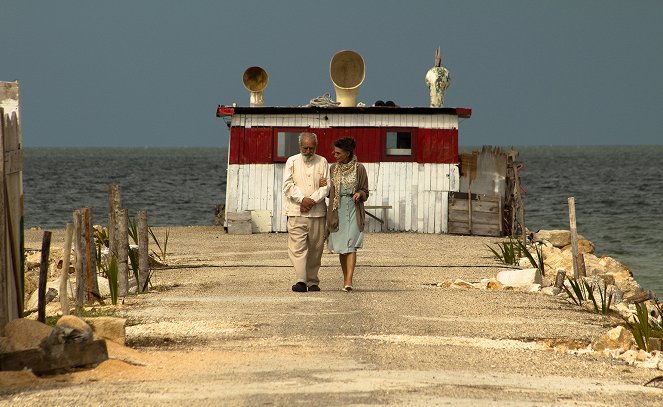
point(151, 73)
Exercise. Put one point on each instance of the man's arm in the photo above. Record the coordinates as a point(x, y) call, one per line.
point(322, 192)
point(290, 189)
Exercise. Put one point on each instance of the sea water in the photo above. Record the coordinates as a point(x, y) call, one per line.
point(618, 192)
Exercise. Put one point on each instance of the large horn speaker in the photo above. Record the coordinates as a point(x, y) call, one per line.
point(255, 81)
point(347, 73)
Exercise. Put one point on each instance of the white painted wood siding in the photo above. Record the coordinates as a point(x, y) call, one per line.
point(417, 193)
point(328, 120)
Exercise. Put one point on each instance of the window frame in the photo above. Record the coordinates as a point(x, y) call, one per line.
point(275, 140)
point(400, 157)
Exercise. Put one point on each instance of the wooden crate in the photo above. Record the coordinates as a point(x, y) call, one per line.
point(481, 215)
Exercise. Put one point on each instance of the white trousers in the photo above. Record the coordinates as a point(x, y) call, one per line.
point(306, 241)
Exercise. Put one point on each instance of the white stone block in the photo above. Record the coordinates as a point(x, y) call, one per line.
point(520, 278)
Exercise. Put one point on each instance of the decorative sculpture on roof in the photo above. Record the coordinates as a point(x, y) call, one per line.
point(437, 80)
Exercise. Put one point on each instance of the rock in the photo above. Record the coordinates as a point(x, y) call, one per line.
point(616, 269)
point(462, 284)
point(519, 278)
point(110, 328)
point(558, 238)
point(26, 334)
point(33, 301)
point(616, 338)
point(534, 288)
point(74, 322)
point(494, 285)
point(550, 290)
point(33, 260)
point(6, 345)
point(629, 356)
point(584, 246)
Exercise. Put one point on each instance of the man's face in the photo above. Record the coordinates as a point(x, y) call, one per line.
point(307, 147)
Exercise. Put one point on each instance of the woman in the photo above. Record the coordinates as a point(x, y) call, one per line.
point(345, 212)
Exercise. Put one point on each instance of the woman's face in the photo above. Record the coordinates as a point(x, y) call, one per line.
point(341, 155)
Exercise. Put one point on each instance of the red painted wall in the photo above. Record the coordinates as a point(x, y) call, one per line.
point(255, 145)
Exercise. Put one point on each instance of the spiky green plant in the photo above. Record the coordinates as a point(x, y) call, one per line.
point(536, 263)
point(111, 274)
point(132, 230)
point(163, 249)
point(509, 252)
point(577, 294)
point(606, 298)
point(640, 328)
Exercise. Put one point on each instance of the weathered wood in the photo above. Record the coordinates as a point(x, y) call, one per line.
point(122, 217)
point(91, 282)
point(5, 277)
point(68, 356)
point(582, 272)
point(64, 278)
point(559, 278)
point(11, 204)
point(574, 236)
point(114, 203)
point(43, 276)
point(143, 251)
point(79, 265)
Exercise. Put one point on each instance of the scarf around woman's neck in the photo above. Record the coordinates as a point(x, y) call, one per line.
point(345, 174)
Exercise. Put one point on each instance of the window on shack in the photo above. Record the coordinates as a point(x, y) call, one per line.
point(399, 145)
point(286, 143)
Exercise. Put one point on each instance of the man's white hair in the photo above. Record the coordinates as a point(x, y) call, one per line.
point(304, 135)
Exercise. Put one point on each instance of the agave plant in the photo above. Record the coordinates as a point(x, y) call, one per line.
point(509, 252)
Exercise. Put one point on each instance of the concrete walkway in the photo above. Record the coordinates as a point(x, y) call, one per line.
point(222, 327)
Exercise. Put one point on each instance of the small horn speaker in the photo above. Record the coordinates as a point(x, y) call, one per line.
point(347, 74)
point(255, 81)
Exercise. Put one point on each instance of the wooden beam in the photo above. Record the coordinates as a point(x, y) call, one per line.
point(43, 276)
point(67, 356)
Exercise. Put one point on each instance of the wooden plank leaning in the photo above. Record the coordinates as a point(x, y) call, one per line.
point(64, 278)
point(43, 276)
point(5, 277)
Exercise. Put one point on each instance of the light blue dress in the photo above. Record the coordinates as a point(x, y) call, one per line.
point(348, 238)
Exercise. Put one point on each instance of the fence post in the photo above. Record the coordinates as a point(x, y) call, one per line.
point(43, 276)
point(64, 278)
point(80, 262)
point(122, 217)
point(574, 236)
point(143, 251)
point(114, 203)
point(5, 278)
point(559, 278)
point(92, 284)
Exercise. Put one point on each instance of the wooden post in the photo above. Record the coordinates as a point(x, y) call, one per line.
point(574, 236)
point(64, 278)
point(143, 251)
point(80, 261)
point(92, 285)
point(43, 276)
point(559, 278)
point(122, 217)
point(114, 203)
point(5, 276)
point(582, 272)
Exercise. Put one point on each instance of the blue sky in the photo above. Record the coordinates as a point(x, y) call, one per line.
point(151, 73)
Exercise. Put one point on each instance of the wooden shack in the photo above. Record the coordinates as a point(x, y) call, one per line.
point(410, 154)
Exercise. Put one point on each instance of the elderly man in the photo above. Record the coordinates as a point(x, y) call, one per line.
point(305, 188)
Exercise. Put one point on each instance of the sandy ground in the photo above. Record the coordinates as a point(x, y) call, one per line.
point(222, 327)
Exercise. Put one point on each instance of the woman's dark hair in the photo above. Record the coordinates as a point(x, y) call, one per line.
point(346, 143)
